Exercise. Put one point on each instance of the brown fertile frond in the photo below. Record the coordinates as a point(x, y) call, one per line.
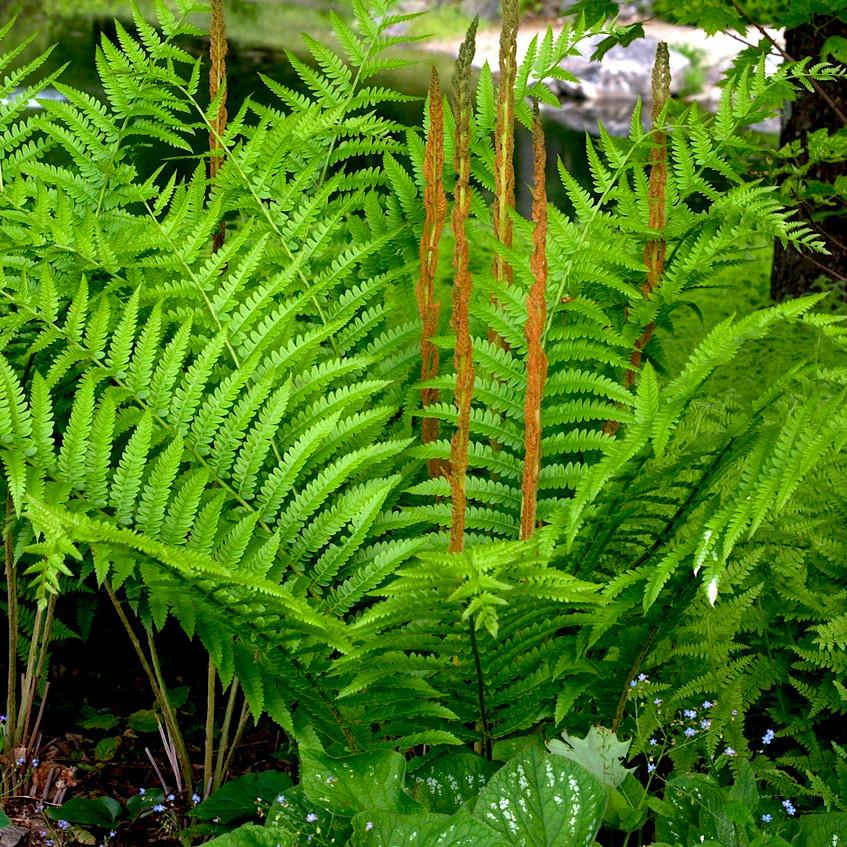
point(536, 315)
point(217, 79)
point(504, 139)
point(655, 249)
point(462, 288)
point(435, 207)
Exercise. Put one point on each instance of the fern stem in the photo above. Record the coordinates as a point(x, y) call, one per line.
point(217, 80)
point(462, 289)
point(34, 673)
point(435, 207)
point(154, 677)
point(236, 739)
point(209, 736)
point(536, 309)
point(480, 693)
point(224, 742)
point(12, 615)
point(25, 705)
point(170, 714)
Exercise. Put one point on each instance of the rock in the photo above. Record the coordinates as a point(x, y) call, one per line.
point(624, 74)
point(487, 10)
point(11, 836)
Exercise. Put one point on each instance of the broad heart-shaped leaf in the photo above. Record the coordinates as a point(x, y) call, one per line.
point(97, 811)
point(294, 813)
point(444, 783)
point(824, 830)
point(599, 752)
point(699, 806)
point(238, 798)
point(251, 835)
point(424, 830)
point(541, 800)
point(356, 783)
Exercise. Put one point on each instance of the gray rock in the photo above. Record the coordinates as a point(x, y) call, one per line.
point(11, 836)
point(623, 74)
point(487, 10)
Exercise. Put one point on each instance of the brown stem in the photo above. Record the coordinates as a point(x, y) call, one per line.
point(217, 79)
point(536, 316)
point(12, 614)
point(209, 741)
point(41, 659)
point(25, 706)
point(462, 288)
point(435, 206)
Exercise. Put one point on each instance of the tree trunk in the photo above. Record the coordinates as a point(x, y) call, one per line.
point(795, 273)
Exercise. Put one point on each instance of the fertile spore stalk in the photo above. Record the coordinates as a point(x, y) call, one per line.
point(536, 316)
point(217, 81)
point(504, 141)
point(435, 207)
point(654, 250)
point(463, 354)
point(462, 288)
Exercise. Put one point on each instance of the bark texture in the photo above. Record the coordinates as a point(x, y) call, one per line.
point(795, 273)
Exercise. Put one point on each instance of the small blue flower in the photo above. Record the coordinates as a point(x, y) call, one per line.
point(633, 683)
point(2, 719)
point(35, 763)
point(65, 825)
point(195, 799)
point(657, 701)
point(690, 713)
point(690, 732)
point(653, 742)
point(789, 807)
point(311, 817)
point(642, 677)
point(729, 752)
point(170, 798)
point(159, 807)
point(21, 760)
point(651, 767)
point(112, 833)
point(705, 723)
point(369, 826)
point(768, 737)
point(766, 818)
point(707, 704)
point(142, 792)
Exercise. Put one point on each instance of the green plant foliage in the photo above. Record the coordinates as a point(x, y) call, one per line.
point(599, 753)
point(242, 797)
point(234, 411)
point(534, 798)
point(229, 438)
